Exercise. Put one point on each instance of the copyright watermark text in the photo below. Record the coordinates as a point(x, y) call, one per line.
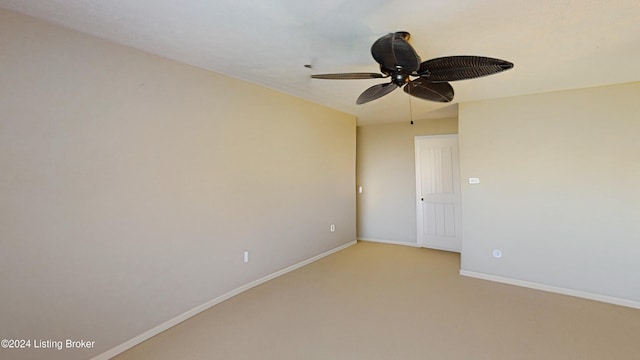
point(47, 344)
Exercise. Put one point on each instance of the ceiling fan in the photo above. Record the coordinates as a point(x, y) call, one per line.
point(400, 62)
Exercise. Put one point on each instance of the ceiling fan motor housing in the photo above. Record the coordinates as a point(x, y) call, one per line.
point(400, 77)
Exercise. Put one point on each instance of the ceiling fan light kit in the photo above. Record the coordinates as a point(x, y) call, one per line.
point(399, 62)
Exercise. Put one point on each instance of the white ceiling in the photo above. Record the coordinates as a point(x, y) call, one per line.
point(554, 44)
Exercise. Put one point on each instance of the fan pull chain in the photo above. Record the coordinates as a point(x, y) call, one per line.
point(410, 109)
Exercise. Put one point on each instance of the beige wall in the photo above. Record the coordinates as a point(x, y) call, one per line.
point(130, 185)
point(386, 172)
point(559, 189)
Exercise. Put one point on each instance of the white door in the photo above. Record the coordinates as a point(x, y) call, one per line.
point(438, 192)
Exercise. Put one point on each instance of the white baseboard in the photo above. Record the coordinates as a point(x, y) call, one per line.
point(554, 289)
point(180, 318)
point(392, 242)
point(406, 243)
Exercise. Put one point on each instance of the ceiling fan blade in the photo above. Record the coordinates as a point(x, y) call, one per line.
point(375, 92)
point(348, 76)
point(393, 50)
point(423, 89)
point(452, 68)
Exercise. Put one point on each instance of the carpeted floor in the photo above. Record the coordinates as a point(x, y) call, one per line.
point(378, 301)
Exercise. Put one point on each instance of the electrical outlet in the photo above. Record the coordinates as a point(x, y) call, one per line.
point(246, 256)
point(497, 253)
point(333, 228)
